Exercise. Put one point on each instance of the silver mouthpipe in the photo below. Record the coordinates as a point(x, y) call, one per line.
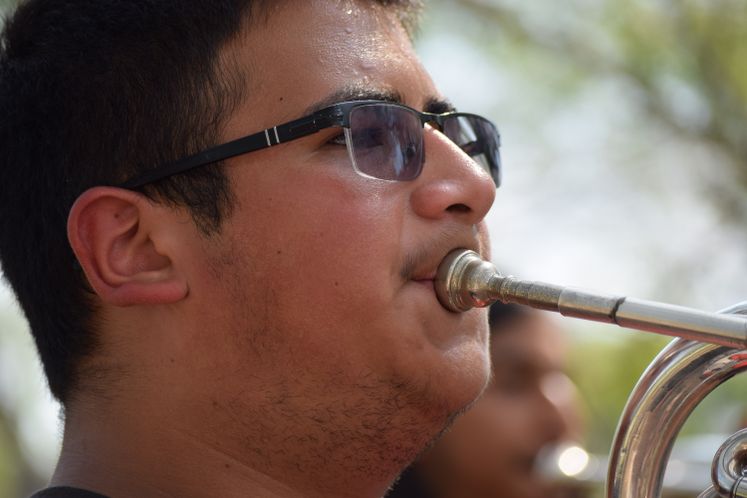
point(464, 281)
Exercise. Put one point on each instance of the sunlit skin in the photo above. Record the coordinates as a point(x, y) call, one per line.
point(491, 451)
point(301, 351)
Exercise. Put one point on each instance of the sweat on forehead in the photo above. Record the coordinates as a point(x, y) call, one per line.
point(408, 11)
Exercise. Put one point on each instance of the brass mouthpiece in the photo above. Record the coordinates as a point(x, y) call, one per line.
point(464, 281)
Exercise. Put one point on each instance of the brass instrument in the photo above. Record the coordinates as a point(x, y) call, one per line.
point(711, 348)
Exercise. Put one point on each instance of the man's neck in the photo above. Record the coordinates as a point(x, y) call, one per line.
point(124, 455)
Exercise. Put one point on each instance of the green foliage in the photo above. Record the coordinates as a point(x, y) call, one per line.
point(9, 460)
point(700, 45)
point(687, 60)
point(605, 373)
point(6, 5)
point(19, 398)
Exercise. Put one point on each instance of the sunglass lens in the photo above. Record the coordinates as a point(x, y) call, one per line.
point(479, 139)
point(386, 142)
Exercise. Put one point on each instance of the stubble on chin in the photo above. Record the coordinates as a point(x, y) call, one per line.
point(369, 429)
point(450, 421)
point(406, 420)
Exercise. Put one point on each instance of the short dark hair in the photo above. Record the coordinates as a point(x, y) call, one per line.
point(93, 92)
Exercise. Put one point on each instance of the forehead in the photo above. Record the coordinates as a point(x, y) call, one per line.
point(304, 52)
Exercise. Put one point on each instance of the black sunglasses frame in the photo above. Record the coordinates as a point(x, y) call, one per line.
point(337, 115)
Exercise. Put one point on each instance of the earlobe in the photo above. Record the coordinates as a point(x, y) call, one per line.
point(115, 235)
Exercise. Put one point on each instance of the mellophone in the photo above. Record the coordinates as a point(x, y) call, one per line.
point(711, 348)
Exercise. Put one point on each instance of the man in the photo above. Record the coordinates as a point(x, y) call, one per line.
point(492, 451)
point(250, 319)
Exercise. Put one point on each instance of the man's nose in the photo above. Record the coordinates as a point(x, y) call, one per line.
point(452, 184)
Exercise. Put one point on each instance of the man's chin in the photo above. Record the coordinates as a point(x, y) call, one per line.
point(456, 388)
point(451, 418)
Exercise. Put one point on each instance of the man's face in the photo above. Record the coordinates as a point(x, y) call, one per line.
point(319, 285)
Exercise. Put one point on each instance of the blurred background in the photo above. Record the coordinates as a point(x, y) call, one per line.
point(624, 126)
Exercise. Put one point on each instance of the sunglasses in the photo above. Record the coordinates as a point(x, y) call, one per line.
point(384, 141)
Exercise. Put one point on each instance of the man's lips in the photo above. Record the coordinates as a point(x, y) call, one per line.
point(430, 276)
point(425, 282)
point(425, 279)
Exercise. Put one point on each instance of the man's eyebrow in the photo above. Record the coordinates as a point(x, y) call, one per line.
point(438, 106)
point(356, 92)
point(433, 105)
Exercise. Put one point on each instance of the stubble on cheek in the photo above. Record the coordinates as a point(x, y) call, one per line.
point(246, 304)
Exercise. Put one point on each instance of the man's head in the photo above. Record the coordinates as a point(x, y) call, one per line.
point(94, 92)
point(281, 285)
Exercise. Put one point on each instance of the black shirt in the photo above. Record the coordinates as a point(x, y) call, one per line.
point(65, 492)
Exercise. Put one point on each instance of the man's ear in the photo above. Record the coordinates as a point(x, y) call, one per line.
point(121, 241)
